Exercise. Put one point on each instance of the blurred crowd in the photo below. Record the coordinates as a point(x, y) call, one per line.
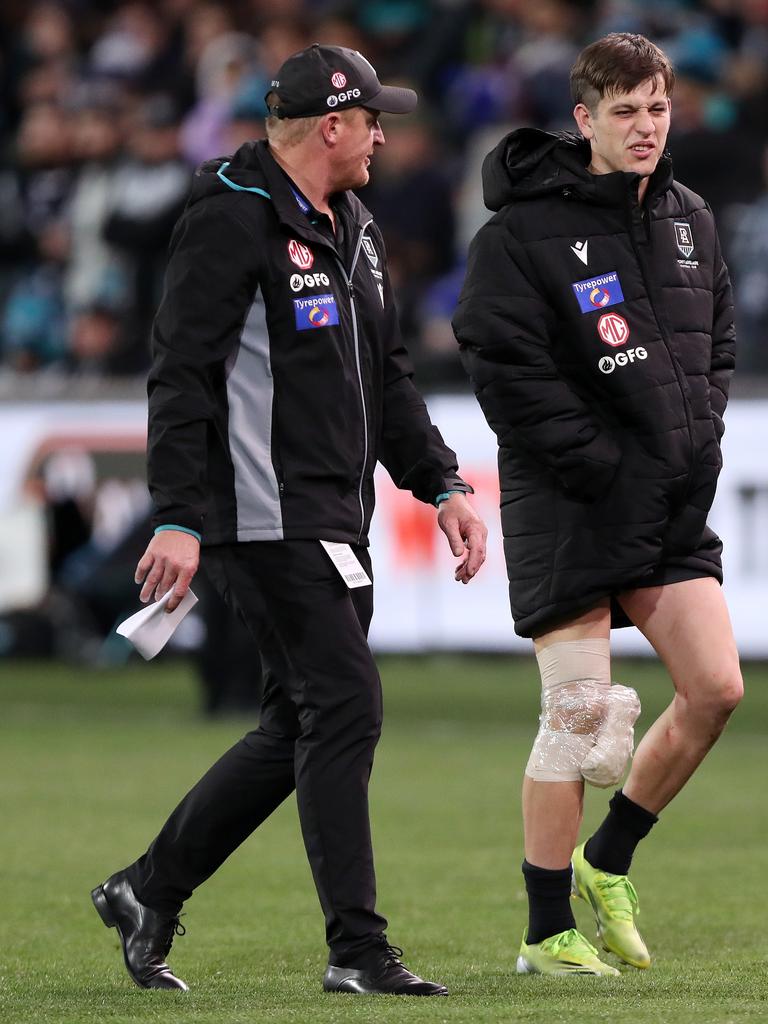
point(108, 107)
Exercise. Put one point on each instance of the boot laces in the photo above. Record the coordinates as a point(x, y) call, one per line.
point(572, 941)
point(619, 895)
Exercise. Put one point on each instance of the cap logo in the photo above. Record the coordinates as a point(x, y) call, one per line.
point(338, 80)
point(300, 255)
point(343, 97)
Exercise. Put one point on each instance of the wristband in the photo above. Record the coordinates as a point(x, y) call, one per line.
point(444, 497)
point(180, 529)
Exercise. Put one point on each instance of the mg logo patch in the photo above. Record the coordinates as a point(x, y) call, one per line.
point(300, 255)
point(613, 329)
point(684, 237)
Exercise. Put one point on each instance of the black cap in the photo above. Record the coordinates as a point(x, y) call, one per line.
point(321, 79)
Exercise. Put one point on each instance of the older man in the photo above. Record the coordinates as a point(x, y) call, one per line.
point(279, 380)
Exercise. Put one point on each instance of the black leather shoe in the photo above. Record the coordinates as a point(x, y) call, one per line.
point(379, 971)
point(145, 935)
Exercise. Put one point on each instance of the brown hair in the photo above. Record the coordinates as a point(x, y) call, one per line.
point(618, 63)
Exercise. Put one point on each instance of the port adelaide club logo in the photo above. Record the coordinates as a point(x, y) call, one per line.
point(685, 244)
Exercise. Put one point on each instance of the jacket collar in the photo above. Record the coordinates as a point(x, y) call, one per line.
point(284, 200)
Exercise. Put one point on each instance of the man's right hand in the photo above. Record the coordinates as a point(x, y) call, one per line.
point(170, 561)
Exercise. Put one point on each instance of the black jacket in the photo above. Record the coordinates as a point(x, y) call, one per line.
point(599, 338)
point(279, 378)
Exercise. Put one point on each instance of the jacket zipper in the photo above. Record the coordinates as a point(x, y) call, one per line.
point(665, 339)
point(355, 334)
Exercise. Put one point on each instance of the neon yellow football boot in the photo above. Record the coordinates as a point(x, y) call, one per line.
point(565, 953)
point(614, 902)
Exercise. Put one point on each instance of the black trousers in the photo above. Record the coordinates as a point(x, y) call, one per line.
point(319, 725)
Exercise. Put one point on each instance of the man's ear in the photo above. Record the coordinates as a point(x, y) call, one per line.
point(584, 120)
point(329, 128)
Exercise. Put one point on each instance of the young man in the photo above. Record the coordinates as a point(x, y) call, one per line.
point(596, 324)
point(279, 380)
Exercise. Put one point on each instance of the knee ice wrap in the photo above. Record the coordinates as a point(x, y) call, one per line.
point(586, 725)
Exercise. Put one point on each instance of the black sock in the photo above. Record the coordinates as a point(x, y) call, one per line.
point(612, 846)
point(549, 902)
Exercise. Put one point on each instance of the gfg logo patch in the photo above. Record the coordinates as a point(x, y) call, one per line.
point(610, 363)
point(343, 97)
point(300, 281)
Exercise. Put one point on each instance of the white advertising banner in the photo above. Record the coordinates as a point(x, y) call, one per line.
point(418, 605)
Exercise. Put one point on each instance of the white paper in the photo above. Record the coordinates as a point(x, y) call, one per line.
point(347, 563)
point(150, 629)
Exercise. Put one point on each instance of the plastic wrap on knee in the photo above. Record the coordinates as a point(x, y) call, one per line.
point(605, 764)
point(572, 714)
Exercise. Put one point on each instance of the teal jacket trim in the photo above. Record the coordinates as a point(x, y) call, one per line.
point(239, 188)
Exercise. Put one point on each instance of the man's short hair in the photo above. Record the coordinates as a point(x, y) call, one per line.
point(618, 63)
point(287, 131)
point(290, 131)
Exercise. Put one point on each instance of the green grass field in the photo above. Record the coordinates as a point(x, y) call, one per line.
point(91, 762)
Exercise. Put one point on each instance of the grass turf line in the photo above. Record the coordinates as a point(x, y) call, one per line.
point(91, 763)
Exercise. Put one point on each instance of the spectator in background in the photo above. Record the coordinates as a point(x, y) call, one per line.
point(748, 249)
point(95, 271)
point(707, 122)
point(150, 189)
point(33, 333)
point(225, 63)
point(419, 235)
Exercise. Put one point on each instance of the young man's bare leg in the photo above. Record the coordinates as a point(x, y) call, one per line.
point(575, 665)
point(689, 627)
point(552, 811)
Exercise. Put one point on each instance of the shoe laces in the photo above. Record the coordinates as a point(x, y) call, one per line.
point(572, 941)
point(390, 955)
point(174, 927)
point(619, 896)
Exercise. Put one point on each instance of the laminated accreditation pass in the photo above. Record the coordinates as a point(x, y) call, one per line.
point(346, 561)
point(150, 629)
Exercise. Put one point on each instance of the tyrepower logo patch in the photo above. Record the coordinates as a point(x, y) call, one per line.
point(613, 329)
point(300, 255)
point(598, 292)
point(610, 363)
point(315, 311)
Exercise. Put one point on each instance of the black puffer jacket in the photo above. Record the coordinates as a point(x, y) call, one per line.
point(599, 338)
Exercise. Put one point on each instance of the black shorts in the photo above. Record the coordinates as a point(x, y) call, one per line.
point(705, 561)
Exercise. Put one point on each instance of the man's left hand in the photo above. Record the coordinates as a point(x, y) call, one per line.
point(466, 533)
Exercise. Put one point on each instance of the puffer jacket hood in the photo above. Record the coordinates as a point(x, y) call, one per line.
point(528, 163)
